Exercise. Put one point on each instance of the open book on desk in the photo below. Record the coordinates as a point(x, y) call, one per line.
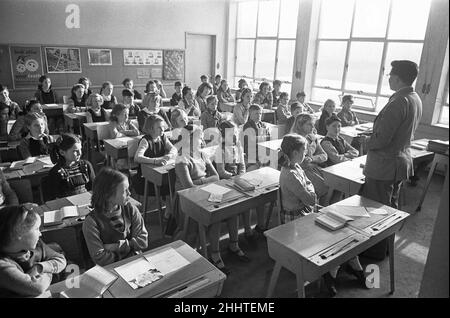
point(92, 284)
point(57, 217)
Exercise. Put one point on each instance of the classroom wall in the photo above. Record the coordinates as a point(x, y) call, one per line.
point(158, 24)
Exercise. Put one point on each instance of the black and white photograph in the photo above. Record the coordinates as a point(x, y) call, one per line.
point(224, 156)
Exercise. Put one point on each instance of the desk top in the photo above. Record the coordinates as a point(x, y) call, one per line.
point(93, 126)
point(78, 199)
point(54, 106)
point(197, 269)
point(121, 142)
point(354, 131)
point(267, 179)
point(350, 169)
point(27, 172)
point(307, 239)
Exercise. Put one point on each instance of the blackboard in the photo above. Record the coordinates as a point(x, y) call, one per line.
point(98, 74)
point(173, 65)
point(5, 67)
point(101, 73)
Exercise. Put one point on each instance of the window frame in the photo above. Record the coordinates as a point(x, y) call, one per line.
point(385, 40)
point(257, 80)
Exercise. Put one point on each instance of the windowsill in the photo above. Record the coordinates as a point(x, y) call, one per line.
point(317, 106)
point(440, 125)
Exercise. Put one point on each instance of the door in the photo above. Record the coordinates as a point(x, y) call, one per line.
point(200, 57)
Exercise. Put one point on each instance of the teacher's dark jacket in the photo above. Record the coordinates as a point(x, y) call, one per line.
point(389, 156)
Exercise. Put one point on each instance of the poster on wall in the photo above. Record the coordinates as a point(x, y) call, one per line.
point(143, 73)
point(173, 65)
point(100, 57)
point(142, 57)
point(63, 60)
point(26, 65)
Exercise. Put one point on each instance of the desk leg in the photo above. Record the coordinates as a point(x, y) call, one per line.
point(89, 149)
point(158, 202)
point(391, 262)
point(300, 283)
point(329, 196)
point(430, 175)
point(273, 279)
point(144, 205)
point(202, 234)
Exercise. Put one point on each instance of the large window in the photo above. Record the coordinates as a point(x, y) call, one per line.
point(265, 41)
point(357, 40)
point(443, 116)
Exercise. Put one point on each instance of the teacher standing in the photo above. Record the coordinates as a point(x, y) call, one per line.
point(389, 160)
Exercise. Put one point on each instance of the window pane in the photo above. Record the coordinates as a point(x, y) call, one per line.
point(381, 102)
point(265, 59)
point(288, 19)
point(443, 119)
point(244, 57)
point(364, 66)
point(362, 101)
point(320, 95)
point(399, 51)
point(246, 22)
point(286, 50)
point(330, 63)
point(371, 18)
point(335, 19)
point(409, 19)
point(287, 88)
point(268, 18)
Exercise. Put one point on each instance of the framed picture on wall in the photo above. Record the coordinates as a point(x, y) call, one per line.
point(100, 57)
point(63, 60)
point(26, 65)
point(142, 57)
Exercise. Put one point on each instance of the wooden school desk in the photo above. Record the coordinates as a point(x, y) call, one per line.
point(73, 122)
point(198, 279)
point(90, 132)
point(68, 234)
point(309, 250)
point(194, 201)
point(268, 115)
point(159, 177)
point(227, 107)
point(350, 132)
point(54, 110)
point(347, 177)
point(272, 147)
point(118, 149)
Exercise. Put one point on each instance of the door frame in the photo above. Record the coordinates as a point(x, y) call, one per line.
point(214, 50)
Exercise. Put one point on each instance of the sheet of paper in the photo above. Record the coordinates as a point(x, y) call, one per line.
point(215, 189)
point(345, 210)
point(19, 164)
point(46, 161)
point(379, 212)
point(168, 261)
point(98, 279)
point(215, 198)
point(52, 105)
point(52, 216)
point(80, 199)
point(32, 168)
point(352, 211)
point(138, 273)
